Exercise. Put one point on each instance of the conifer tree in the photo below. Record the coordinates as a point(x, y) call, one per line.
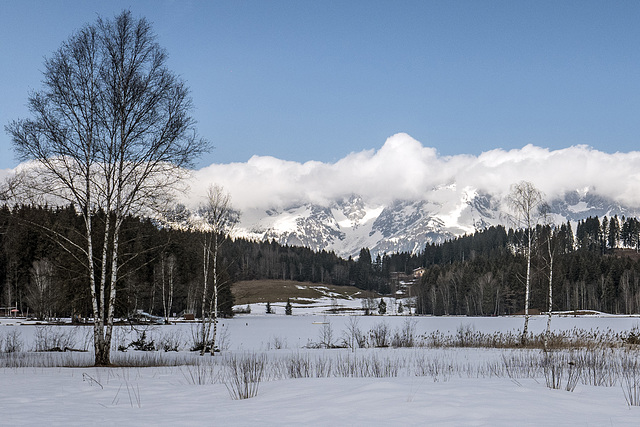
point(382, 307)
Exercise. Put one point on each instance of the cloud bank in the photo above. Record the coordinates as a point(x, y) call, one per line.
point(404, 169)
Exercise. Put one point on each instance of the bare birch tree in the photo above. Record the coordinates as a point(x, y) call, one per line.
point(41, 295)
point(217, 219)
point(551, 234)
point(551, 254)
point(167, 275)
point(110, 132)
point(524, 201)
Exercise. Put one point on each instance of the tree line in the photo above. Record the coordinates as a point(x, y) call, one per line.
point(598, 268)
point(162, 269)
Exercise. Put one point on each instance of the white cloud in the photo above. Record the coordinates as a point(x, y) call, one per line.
point(404, 169)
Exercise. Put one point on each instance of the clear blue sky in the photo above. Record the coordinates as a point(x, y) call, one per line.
point(316, 80)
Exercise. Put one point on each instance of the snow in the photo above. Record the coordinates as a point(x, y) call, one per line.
point(469, 395)
point(579, 207)
point(160, 396)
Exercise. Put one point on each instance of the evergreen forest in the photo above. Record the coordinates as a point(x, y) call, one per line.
point(595, 268)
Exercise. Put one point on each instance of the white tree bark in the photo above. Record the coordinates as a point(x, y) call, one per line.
point(525, 201)
point(110, 134)
point(216, 219)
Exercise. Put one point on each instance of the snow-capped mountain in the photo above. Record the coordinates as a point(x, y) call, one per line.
point(404, 225)
point(404, 194)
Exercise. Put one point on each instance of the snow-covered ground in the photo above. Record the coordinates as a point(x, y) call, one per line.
point(162, 396)
point(428, 386)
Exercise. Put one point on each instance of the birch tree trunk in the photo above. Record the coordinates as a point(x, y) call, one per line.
point(206, 326)
point(164, 298)
point(215, 293)
point(216, 218)
point(525, 329)
point(550, 294)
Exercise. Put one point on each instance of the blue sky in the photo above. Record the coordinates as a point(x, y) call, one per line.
point(317, 80)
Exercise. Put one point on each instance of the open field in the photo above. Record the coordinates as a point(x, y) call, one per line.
point(300, 378)
point(263, 291)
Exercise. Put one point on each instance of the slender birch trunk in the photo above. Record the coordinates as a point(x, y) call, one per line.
point(550, 308)
point(525, 330)
point(206, 326)
point(164, 299)
point(112, 288)
point(171, 266)
point(215, 293)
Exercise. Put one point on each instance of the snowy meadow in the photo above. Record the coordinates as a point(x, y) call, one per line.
point(320, 370)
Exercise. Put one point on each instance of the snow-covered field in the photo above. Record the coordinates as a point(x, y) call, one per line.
point(414, 386)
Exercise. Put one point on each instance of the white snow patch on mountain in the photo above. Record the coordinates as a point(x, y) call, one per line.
point(579, 207)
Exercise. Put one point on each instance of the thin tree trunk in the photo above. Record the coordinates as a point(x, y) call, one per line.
point(206, 252)
point(548, 333)
point(171, 267)
point(164, 299)
point(525, 330)
point(215, 293)
point(112, 290)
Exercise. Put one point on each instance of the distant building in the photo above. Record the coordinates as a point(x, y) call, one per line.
point(402, 283)
point(418, 272)
point(9, 312)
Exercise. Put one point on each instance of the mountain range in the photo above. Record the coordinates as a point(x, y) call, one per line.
point(349, 224)
point(404, 195)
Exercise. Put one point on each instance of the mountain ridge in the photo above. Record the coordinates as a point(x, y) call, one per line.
point(349, 224)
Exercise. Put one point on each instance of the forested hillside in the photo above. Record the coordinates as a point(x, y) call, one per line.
point(595, 268)
point(483, 274)
point(38, 275)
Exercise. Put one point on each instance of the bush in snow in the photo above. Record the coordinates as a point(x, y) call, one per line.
point(50, 338)
point(11, 342)
point(244, 374)
point(405, 336)
point(380, 335)
point(630, 381)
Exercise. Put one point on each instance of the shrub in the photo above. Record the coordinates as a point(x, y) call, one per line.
point(380, 335)
point(326, 335)
point(50, 338)
point(170, 341)
point(245, 310)
point(142, 344)
point(244, 374)
point(11, 342)
point(353, 337)
point(630, 381)
point(200, 373)
point(405, 337)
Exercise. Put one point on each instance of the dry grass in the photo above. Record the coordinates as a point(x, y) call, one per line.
point(254, 291)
